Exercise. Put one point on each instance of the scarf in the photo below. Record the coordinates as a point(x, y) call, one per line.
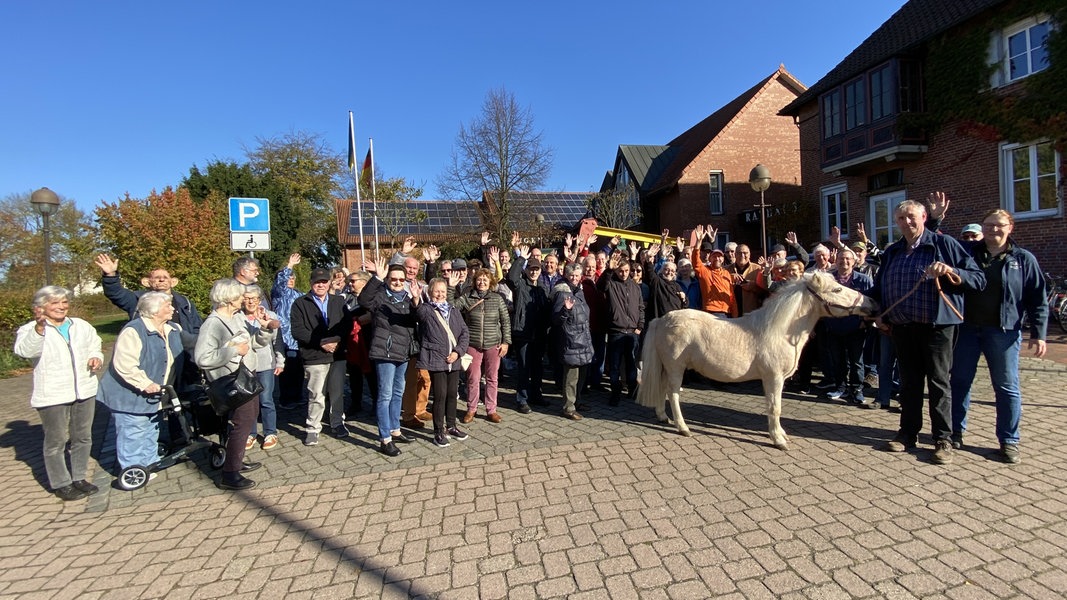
point(397, 297)
point(442, 307)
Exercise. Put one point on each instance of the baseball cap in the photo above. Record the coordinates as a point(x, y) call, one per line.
point(458, 264)
point(858, 245)
point(533, 262)
point(971, 228)
point(718, 251)
point(778, 248)
point(320, 275)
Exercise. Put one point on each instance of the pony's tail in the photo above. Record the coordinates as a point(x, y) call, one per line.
point(651, 392)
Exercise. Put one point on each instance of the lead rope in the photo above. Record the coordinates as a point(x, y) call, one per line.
point(953, 278)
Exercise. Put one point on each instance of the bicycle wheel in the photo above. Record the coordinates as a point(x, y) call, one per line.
point(1060, 316)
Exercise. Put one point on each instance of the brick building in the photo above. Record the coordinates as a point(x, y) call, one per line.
point(701, 176)
point(861, 155)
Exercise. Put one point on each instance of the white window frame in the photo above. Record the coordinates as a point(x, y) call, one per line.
point(716, 196)
point(999, 51)
point(840, 193)
point(1007, 181)
point(881, 226)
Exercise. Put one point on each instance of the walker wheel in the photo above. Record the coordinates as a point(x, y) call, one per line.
point(133, 478)
point(218, 456)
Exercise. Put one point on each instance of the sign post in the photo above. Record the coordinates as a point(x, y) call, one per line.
point(250, 225)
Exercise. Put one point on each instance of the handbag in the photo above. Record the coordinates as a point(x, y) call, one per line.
point(465, 359)
point(233, 390)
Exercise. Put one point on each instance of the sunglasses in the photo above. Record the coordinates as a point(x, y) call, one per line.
point(395, 280)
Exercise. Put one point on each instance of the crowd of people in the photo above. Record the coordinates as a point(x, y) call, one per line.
point(416, 326)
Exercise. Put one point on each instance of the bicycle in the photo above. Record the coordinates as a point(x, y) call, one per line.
point(1056, 299)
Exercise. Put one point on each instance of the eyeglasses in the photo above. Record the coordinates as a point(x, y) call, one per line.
point(352, 280)
point(395, 280)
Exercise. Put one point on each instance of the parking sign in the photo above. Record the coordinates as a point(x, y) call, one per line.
point(250, 215)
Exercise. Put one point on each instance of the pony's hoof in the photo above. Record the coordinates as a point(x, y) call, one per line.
point(782, 445)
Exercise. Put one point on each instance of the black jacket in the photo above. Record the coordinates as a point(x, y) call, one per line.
point(394, 322)
point(530, 321)
point(309, 328)
point(625, 308)
point(663, 295)
point(575, 342)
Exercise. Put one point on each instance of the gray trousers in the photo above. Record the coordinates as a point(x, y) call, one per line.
point(62, 423)
point(325, 380)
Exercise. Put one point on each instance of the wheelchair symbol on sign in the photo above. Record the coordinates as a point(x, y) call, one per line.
point(251, 243)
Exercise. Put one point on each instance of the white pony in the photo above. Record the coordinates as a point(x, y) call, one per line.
point(764, 345)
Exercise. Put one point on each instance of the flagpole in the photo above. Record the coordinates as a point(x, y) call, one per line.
point(373, 195)
point(352, 164)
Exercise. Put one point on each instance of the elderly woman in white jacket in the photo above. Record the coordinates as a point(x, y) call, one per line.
point(66, 353)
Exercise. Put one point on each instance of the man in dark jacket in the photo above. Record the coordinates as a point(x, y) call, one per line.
point(321, 325)
point(626, 319)
point(159, 280)
point(529, 328)
point(915, 287)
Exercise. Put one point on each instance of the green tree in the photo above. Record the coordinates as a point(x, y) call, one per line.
point(498, 152)
point(170, 230)
point(230, 180)
point(311, 175)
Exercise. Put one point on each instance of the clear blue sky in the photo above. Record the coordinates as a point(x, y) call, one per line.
point(103, 98)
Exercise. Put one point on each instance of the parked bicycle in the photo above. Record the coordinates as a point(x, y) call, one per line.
point(1056, 298)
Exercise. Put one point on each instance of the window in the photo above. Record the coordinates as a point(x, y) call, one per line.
point(1020, 50)
point(911, 87)
point(831, 114)
point(715, 196)
point(882, 92)
point(834, 209)
point(1029, 179)
point(855, 104)
point(881, 226)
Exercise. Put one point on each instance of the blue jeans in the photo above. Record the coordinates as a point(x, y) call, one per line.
point(390, 396)
point(137, 438)
point(1001, 351)
point(268, 414)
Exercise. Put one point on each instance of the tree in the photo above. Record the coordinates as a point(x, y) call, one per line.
point(311, 174)
point(170, 230)
point(394, 209)
point(73, 240)
point(230, 180)
point(498, 152)
point(617, 208)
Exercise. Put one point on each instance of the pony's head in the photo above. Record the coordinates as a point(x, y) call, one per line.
point(836, 299)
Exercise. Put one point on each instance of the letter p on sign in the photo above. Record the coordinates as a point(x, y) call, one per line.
point(250, 215)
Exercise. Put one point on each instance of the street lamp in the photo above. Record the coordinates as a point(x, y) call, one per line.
point(47, 203)
point(760, 179)
point(540, 219)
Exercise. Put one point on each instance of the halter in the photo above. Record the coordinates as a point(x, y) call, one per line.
point(852, 309)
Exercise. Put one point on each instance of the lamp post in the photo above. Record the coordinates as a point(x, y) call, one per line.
point(760, 179)
point(47, 203)
point(540, 219)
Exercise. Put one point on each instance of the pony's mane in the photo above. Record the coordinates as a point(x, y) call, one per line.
point(777, 314)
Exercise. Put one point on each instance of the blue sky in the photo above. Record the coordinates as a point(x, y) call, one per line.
point(103, 98)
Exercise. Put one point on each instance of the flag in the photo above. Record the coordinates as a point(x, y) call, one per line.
point(367, 174)
point(351, 144)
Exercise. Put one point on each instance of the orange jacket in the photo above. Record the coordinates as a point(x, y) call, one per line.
point(716, 287)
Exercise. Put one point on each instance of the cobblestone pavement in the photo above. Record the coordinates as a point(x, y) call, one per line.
point(614, 506)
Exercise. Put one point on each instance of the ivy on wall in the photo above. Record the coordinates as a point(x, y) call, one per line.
point(958, 75)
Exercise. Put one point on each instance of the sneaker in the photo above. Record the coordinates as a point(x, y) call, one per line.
point(493, 417)
point(942, 452)
point(871, 380)
point(270, 441)
point(1009, 452)
point(389, 449)
point(957, 442)
point(835, 394)
point(524, 408)
point(91, 489)
point(456, 434)
point(467, 418)
point(251, 441)
point(440, 440)
point(312, 439)
point(340, 431)
point(900, 444)
point(69, 493)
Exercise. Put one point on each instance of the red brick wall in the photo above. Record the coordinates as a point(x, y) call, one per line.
point(758, 135)
point(965, 168)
